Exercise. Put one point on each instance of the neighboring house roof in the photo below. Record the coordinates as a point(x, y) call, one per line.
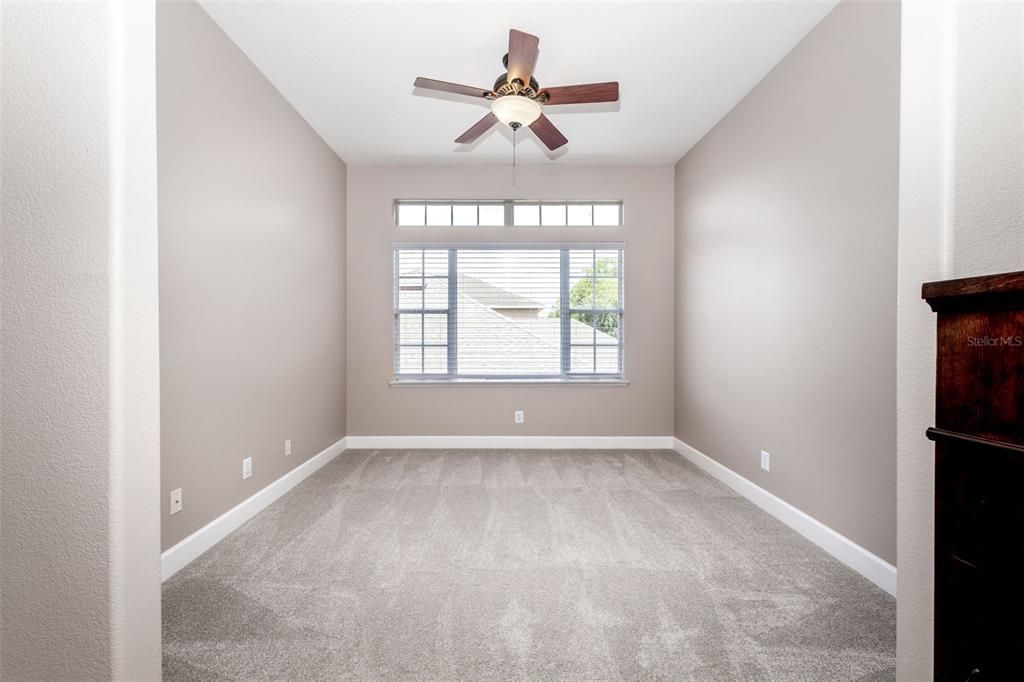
point(494, 296)
point(502, 344)
point(519, 345)
point(511, 344)
point(550, 329)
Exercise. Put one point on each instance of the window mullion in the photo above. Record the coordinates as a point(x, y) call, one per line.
point(423, 306)
point(622, 303)
point(398, 320)
point(563, 305)
point(453, 312)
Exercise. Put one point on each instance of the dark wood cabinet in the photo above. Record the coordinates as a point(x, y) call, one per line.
point(979, 477)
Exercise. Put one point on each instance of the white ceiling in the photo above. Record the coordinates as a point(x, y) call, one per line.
point(348, 69)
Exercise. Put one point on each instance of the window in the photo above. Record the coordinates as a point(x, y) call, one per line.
point(566, 214)
point(508, 312)
point(415, 213)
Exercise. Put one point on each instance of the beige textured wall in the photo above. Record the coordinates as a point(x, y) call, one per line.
point(961, 215)
point(79, 381)
point(786, 231)
point(252, 268)
point(643, 408)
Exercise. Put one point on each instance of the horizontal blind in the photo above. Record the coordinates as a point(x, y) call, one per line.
point(514, 312)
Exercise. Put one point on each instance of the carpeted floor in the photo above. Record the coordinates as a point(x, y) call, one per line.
point(539, 565)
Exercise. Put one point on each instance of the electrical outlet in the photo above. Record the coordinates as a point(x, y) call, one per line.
point(519, 417)
point(247, 467)
point(766, 460)
point(176, 500)
point(288, 447)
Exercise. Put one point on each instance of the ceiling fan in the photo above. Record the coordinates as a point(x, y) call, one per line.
point(517, 99)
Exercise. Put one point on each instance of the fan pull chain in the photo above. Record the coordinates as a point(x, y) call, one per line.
point(513, 156)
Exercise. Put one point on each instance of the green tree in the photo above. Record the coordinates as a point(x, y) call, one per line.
point(606, 295)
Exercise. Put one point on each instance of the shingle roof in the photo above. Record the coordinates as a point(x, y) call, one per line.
point(494, 296)
point(519, 345)
point(510, 345)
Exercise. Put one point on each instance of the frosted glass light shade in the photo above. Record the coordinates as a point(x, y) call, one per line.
point(515, 109)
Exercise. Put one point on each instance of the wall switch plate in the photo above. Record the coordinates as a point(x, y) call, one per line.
point(247, 467)
point(288, 447)
point(176, 500)
point(519, 417)
point(766, 460)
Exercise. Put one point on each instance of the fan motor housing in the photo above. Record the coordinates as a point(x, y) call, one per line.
point(503, 87)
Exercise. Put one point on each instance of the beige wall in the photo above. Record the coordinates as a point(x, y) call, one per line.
point(79, 380)
point(252, 269)
point(961, 214)
point(786, 231)
point(644, 408)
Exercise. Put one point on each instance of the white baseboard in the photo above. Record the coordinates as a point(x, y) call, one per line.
point(872, 567)
point(512, 442)
point(178, 556)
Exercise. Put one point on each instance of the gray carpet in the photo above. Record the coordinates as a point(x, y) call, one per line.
point(481, 565)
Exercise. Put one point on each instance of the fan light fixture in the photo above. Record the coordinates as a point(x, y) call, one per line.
point(515, 110)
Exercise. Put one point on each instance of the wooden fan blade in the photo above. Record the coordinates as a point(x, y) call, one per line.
point(478, 129)
point(548, 133)
point(582, 94)
point(444, 86)
point(522, 55)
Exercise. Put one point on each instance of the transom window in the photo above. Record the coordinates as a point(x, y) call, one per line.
point(496, 312)
point(497, 213)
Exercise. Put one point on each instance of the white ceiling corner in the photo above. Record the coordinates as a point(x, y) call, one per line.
point(348, 68)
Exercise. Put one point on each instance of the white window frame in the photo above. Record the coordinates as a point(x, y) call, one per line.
point(452, 376)
point(509, 212)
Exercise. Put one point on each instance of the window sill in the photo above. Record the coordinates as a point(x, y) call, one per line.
point(508, 382)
